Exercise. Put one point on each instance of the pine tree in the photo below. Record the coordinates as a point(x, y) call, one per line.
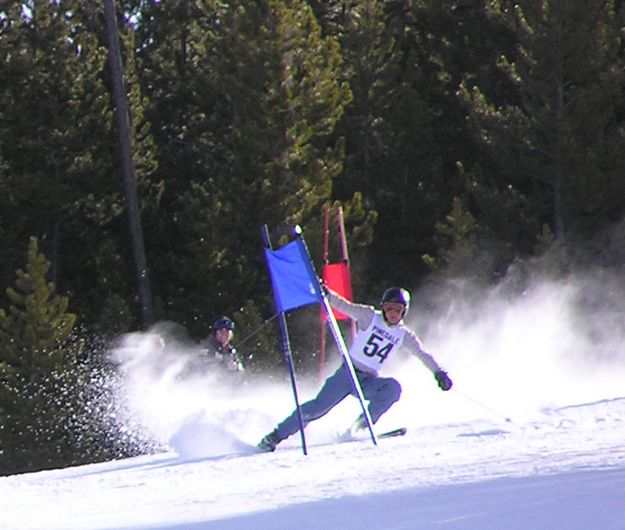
point(59, 147)
point(246, 97)
point(560, 142)
point(371, 67)
point(175, 71)
point(108, 256)
point(34, 357)
point(51, 88)
point(459, 233)
point(405, 129)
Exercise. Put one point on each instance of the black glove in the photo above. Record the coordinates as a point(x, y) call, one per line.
point(443, 380)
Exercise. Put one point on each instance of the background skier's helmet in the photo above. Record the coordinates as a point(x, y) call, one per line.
point(399, 295)
point(222, 323)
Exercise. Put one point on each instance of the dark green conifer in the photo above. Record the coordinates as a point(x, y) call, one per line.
point(559, 144)
point(35, 358)
point(246, 97)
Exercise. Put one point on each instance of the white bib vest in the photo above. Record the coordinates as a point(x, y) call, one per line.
point(374, 346)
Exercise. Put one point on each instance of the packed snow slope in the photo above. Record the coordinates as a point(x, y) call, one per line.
point(531, 437)
point(562, 469)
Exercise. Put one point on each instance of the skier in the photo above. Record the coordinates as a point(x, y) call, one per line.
point(381, 333)
point(218, 347)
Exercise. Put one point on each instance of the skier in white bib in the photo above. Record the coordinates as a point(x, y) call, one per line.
point(381, 333)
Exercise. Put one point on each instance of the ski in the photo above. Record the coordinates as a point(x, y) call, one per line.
point(350, 437)
point(395, 432)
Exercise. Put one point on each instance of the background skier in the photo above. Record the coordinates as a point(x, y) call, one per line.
point(218, 346)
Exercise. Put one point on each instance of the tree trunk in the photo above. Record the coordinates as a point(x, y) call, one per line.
point(132, 203)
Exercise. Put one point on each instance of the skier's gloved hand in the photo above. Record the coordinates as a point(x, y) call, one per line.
point(324, 287)
point(443, 380)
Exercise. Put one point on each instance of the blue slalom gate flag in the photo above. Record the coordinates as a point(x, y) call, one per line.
point(295, 284)
point(291, 278)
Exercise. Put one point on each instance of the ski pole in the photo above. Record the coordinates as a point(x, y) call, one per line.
point(480, 404)
point(248, 337)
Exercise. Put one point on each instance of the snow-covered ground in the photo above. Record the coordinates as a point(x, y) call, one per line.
point(564, 469)
point(531, 437)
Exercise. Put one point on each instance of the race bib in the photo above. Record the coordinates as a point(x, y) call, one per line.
point(374, 346)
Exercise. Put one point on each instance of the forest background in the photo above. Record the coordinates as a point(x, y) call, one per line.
point(462, 139)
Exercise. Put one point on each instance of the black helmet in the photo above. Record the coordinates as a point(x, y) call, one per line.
point(223, 323)
point(397, 294)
